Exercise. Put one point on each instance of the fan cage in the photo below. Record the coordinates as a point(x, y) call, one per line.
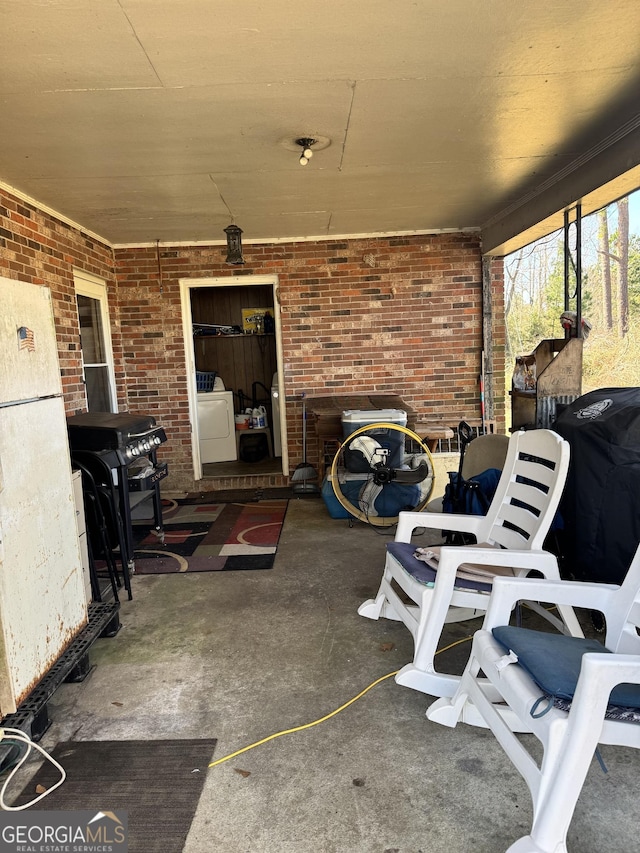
point(335, 474)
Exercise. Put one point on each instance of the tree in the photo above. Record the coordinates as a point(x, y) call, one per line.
point(634, 278)
point(623, 267)
point(604, 257)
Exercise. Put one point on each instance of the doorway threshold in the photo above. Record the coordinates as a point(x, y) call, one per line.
point(219, 470)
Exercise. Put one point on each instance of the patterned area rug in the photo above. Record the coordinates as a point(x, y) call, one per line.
point(213, 537)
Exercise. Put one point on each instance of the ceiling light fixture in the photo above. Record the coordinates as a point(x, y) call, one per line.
point(234, 244)
point(305, 142)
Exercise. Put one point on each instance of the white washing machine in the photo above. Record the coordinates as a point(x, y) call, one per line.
point(275, 416)
point(216, 424)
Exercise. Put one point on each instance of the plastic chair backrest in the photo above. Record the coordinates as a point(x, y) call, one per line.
point(529, 491)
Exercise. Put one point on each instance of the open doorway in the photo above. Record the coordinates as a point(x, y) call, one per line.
point(233, 357)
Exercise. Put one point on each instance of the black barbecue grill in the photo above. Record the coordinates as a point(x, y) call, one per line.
point(120, 451)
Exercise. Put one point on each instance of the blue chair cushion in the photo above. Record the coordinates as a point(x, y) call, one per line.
point(553, 661)
point(422, 572)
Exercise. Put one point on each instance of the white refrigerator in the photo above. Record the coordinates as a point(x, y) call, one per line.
point(42, 599)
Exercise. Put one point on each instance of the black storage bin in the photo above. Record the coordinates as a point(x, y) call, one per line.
point(254, 447)
point(601, 503)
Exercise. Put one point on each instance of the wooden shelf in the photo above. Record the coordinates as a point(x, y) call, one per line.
point(239, 360)
point(557, 366)
point(232, 337)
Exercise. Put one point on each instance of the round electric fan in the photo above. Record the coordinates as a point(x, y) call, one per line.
point(380, 470)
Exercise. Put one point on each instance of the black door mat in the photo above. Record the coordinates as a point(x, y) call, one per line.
point(245, 495)
point(158, 783)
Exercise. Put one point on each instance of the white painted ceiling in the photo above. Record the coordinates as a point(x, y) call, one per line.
point(147, 120)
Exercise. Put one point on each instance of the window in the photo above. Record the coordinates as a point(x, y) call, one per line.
point(95, 341)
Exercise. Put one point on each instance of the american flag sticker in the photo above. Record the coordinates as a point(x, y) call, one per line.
point(26, 339)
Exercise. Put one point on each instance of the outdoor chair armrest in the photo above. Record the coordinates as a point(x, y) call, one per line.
point(599, 674)
point(506, 592)
point(409, 521)
point(516, 558)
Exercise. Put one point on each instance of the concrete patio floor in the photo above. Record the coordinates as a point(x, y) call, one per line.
point(241, 655)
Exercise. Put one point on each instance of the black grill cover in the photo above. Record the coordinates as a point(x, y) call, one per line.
point(601, 502)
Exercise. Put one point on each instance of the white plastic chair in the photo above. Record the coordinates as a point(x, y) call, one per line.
point(514, 528)
point(569, 738)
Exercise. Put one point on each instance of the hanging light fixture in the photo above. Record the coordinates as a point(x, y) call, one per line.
point(234, 244)
point(305, 142)
point(305, 146)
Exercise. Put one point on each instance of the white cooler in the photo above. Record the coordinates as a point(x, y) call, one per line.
point(391, 439)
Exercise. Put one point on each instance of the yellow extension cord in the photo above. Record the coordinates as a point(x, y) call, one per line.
point(327, 716)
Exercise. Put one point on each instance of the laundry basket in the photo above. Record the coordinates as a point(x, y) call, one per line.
point(205, 380)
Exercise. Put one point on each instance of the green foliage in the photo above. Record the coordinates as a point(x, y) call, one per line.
point(610, 361)
point(634, 276)
point(535, 315)
point(534, 281)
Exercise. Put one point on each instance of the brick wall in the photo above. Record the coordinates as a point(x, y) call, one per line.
point(396, 315)
point(38, 248)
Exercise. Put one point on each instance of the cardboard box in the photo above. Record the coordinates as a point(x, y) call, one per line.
point(253, 319)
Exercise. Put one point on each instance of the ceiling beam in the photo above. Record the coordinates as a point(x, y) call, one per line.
point(602, 175)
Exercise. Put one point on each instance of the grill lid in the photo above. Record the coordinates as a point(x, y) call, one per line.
point(108, 431)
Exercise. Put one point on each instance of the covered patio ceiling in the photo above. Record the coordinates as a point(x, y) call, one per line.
point(164, 120)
